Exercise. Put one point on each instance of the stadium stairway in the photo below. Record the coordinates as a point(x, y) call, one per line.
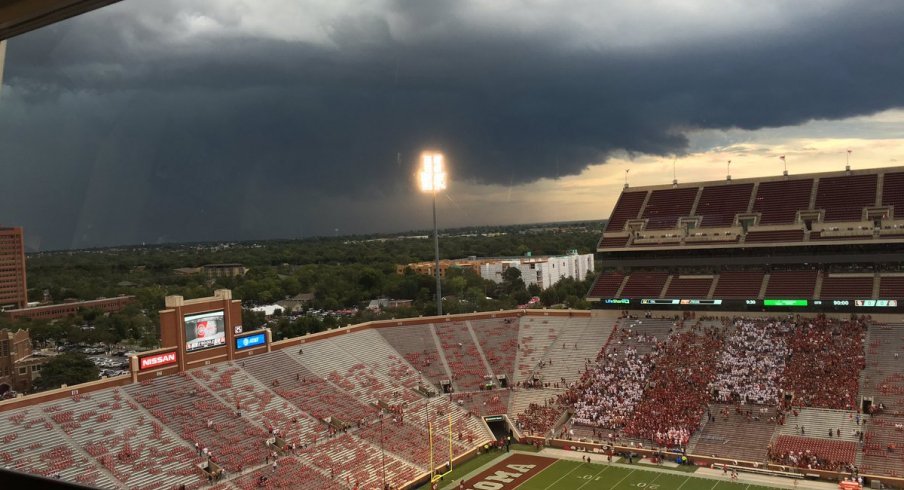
point(442, 355)
point(483, 356)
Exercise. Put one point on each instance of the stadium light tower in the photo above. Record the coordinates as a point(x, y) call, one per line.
point(433, 178)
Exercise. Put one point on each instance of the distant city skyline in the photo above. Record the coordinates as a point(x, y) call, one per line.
point(204, 120)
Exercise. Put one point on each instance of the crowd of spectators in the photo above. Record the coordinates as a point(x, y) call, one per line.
point(612, 386)
point(676, 397)
point(807, 459)
point(752, 362)
point(826, 359)
point(539, 419)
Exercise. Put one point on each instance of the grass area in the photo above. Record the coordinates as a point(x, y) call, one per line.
point(463, 469)
point(574, 475)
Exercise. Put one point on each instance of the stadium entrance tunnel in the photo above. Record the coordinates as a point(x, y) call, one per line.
point(499, 425)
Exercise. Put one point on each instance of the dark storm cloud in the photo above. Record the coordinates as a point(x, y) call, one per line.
point(117, 129)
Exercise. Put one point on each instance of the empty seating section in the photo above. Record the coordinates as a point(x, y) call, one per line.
point(243, 393)
point(606, 285)
point(813, 453)
point(416, 344)
point(893, 192)
point(580, 339)
point(843, 198)
point(791, 284)
point(644, 285)
point(882, 446)
point(30, 444)
point(891, 287)
point(291, 473)
point(774, 236)
point(627, 207)
point(835, 286)
point(466, 363)
point(735, 435)
point(720, 203)
point(338, 366)
point(689, 287)
point(437, 412)
point(667, 205)
point(779, 200)
point(133, 447)
point(353, 462)
point(817, 423)
point(483, 403)
point(613, 242)
point(498, 337)
point(535, 336)
point(307, 391)
point(380, 358)
point(738, 285)
point(193, 413)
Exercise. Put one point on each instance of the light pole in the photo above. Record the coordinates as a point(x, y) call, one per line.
point(433, 178)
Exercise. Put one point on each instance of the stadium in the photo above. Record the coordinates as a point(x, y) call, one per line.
point(752, 326)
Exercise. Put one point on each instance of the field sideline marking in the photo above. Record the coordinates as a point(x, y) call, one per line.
point(594, 476)
point(623, 479)
point(563, 476)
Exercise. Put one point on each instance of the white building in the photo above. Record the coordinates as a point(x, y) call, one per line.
point(542, 271)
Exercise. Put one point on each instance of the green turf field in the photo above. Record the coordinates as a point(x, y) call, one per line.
point(574, 475)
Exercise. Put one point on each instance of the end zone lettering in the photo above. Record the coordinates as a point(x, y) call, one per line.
point(497, 479)
point(157, 360)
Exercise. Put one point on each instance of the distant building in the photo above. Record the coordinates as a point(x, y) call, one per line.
point(52, 312)
point(544, 271)
point(18, 367)
point(297, 302)
point(13, 288)
point(383, 303)
point(213, 271)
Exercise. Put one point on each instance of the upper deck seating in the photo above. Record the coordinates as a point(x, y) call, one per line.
point(893, 192)
point(667, 205)
point(843, 198)
point(720, 203)
point(779, 200)
point(627, 207)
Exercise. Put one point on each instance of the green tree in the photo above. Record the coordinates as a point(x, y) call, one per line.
point(68, 369)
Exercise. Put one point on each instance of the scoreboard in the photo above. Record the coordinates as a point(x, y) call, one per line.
point(767, 304)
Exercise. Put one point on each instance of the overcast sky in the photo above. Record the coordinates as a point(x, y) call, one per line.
point(182, 120)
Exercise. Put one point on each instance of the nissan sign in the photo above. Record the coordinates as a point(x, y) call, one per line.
point(156, 361)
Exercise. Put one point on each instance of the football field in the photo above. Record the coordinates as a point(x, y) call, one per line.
point(527, 472)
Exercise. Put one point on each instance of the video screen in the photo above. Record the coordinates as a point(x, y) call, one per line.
point(205, 330)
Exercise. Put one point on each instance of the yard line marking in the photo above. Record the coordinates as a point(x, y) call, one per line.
point(623, 479)
point(714, 486)
point(563, 476)
point(594, 476)
point(686, 479)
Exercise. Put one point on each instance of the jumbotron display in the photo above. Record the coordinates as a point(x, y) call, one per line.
point(205, 330)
